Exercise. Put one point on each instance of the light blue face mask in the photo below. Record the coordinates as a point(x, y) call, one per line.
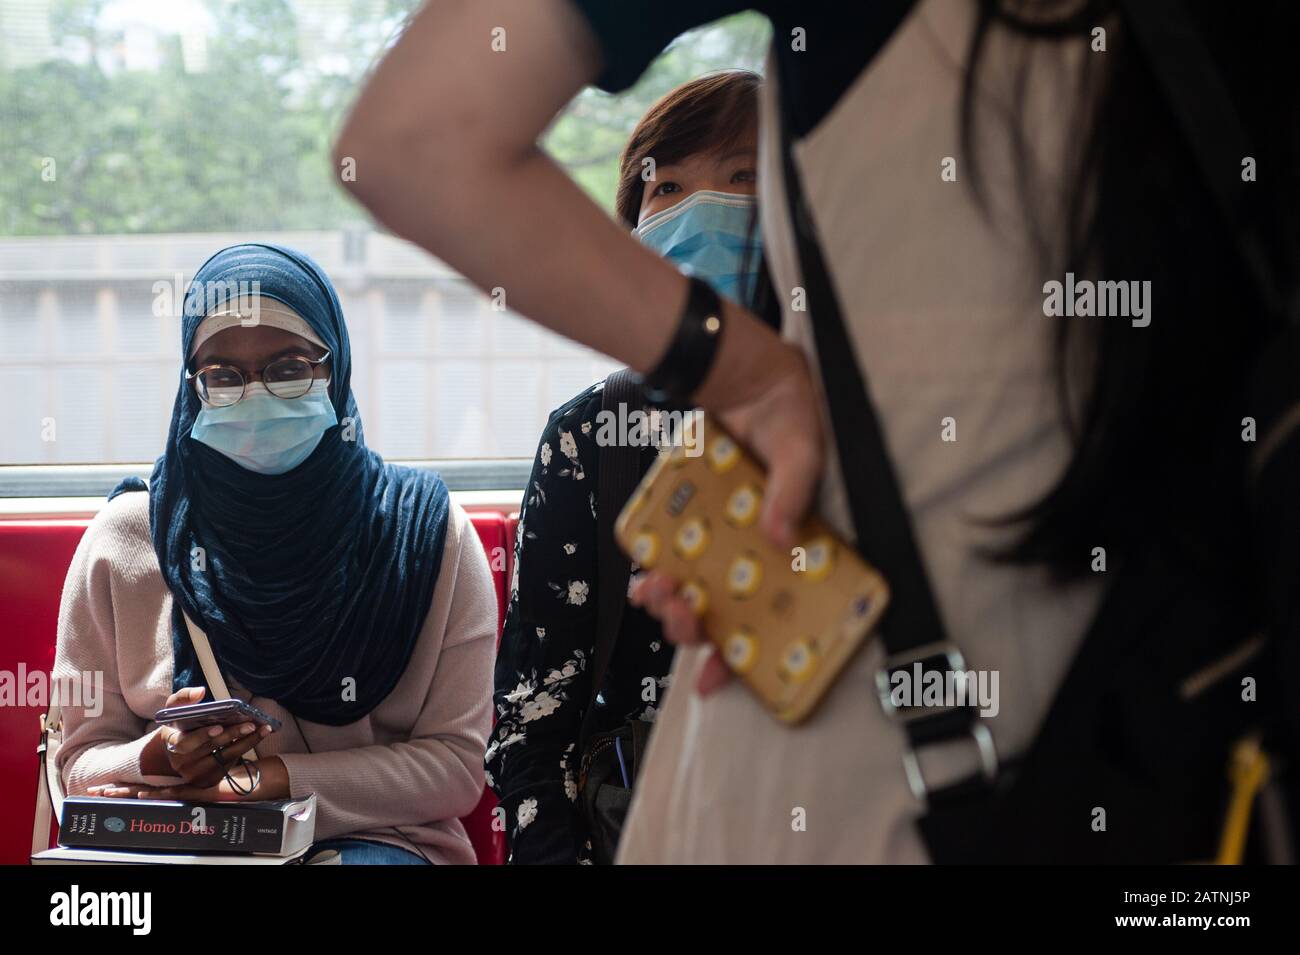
point(264, 433)
point(708, 235)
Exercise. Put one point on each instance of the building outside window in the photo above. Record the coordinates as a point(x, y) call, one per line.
point(140, 136)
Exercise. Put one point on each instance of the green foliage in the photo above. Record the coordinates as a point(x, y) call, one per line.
point(590, 133)
point(244, 144)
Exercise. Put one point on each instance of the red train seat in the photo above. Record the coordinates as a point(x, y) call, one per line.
point(34, 558)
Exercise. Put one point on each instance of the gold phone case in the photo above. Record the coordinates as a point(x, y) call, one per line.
point(786, 623)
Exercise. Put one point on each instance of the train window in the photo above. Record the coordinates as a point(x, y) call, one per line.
point(143, 135)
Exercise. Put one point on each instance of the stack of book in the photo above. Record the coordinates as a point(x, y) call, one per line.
point(125, 831)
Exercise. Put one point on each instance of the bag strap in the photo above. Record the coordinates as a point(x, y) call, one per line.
point(203, 650)
point(49, 788)
point(208, 663)
point(911, 629)
point(619, 472)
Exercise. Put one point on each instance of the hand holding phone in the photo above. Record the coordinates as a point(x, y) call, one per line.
point(192, 716)
point(785, 621)
point(202, 741)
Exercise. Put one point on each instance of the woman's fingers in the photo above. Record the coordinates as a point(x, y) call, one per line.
point(762, 391)
point(713, 674)
point(205, 770)
point(110, 791)
point(185, 696)
point(197, 742)
point(650, 591)
point(186, 793)
point(657, 594)
point(182, 744)
point(220, 791)
point(681, 626)
point(783, 427)
point(192, 755)
point(793, 473)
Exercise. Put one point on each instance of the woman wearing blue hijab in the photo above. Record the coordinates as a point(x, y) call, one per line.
point(345, 597)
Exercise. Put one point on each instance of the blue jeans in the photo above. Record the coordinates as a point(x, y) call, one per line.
point(365, 852)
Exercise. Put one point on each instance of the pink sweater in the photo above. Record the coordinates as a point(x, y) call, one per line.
point(414, 762)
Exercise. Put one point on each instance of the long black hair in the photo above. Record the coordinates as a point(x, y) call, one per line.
point(1158, 447)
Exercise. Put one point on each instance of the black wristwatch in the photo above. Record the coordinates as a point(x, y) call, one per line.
point(694, 347)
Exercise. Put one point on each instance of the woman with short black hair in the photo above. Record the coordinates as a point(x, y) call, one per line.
point(698, 141)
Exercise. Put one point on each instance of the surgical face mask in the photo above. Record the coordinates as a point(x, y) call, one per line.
point(264, 433)
point(708, 235)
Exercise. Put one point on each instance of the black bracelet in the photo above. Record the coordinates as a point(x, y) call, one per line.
point(690, 355)
point(254, 777)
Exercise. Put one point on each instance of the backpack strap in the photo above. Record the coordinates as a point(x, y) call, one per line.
point(619, 473)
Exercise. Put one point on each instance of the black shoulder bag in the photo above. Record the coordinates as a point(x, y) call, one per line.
point(610, 761)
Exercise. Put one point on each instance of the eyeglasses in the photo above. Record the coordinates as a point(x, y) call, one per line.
point(224, 385)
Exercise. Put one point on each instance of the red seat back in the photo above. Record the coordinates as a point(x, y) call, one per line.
point(34, 559)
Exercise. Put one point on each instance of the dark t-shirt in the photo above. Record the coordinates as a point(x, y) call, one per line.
point(840, 37)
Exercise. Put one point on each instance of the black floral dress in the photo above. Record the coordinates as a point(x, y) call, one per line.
point(543, 671)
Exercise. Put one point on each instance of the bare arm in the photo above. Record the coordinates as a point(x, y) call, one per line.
point(445, 143)
point(444, 138)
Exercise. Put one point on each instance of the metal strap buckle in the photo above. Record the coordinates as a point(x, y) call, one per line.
point(988, 754)
point(46, 730)
point(947, 653)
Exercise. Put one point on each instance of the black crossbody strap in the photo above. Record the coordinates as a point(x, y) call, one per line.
point(619, 473)
point(911, 629)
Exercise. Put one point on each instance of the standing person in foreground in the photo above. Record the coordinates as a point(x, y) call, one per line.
point(1077, 504)
point(703, 138)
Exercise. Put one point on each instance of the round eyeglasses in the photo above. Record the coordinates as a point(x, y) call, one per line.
point(224, 385)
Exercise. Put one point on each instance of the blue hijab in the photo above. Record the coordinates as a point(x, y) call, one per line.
point(314, 584)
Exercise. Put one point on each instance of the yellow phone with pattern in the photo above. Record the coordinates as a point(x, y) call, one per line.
point(786, 622)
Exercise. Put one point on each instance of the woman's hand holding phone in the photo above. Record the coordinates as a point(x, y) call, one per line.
point(762, 391)
point(189, 755)
point(656, 593)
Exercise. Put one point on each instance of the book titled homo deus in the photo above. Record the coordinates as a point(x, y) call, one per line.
point(278, 827)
